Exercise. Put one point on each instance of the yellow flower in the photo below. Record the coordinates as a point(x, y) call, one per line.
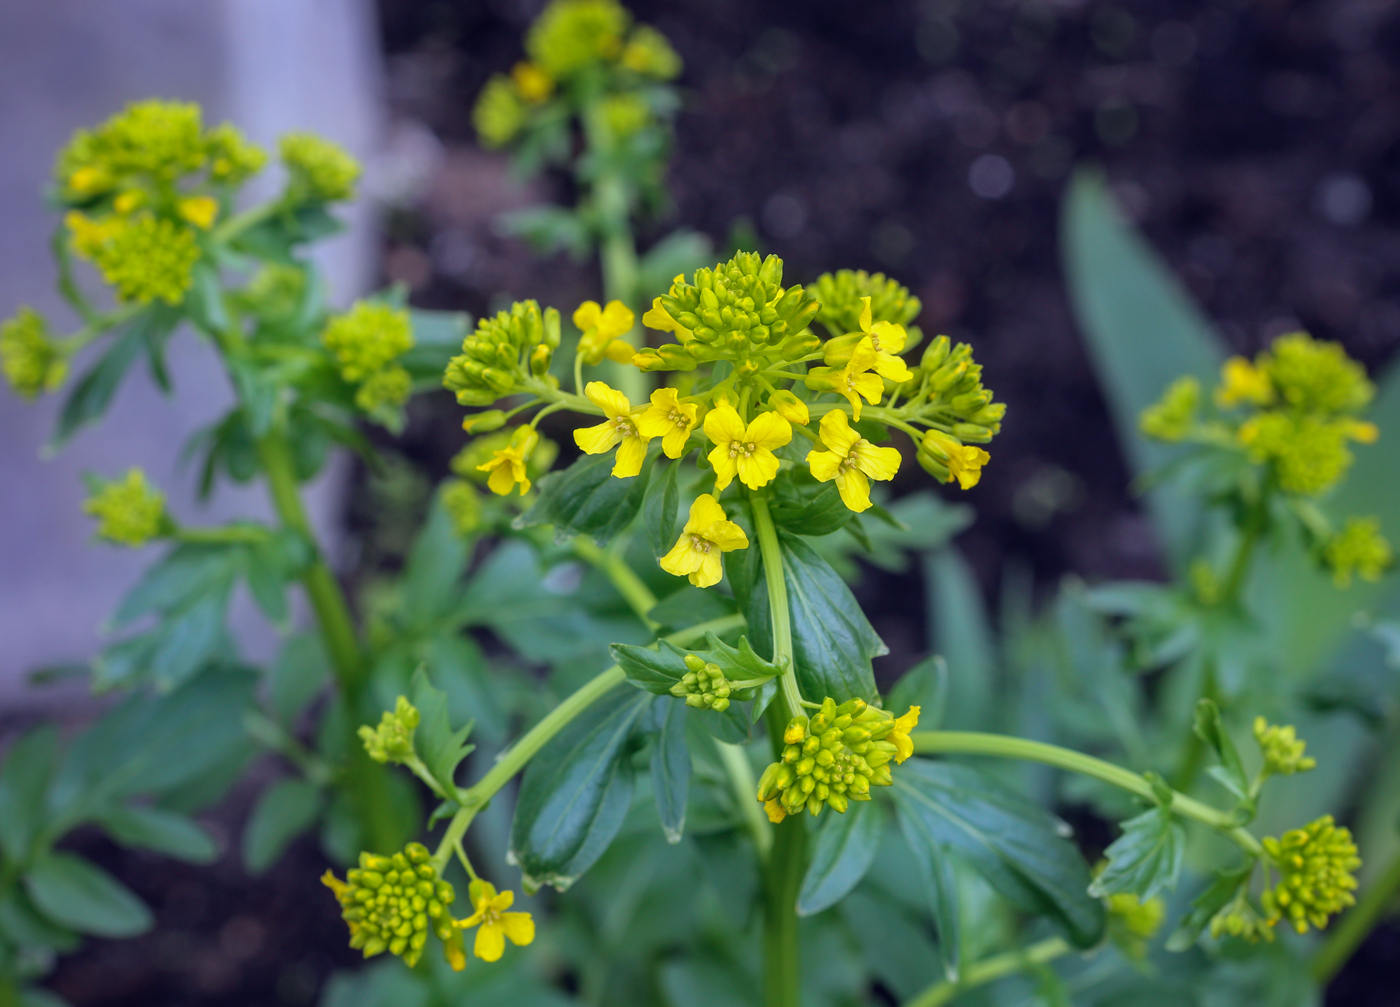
point(201, 211)
point(776, 811)
point(88, 180)
point(507, 466)
point(1241, 382)
point(886, 338)
point(854, 380)
point(532, 83)
point(850, 461)
point(670, 419)
point(620, 427)
point(707, 534)
point(964, 461)
point(660, 319)
point(600, 326)
point(494, 923)
point(900, 735)
point(745, 450)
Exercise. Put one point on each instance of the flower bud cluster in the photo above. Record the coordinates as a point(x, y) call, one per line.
point(129, 511)
point(320, 171)
point(1282, 749)
point(146, 258)
point(840, 295)
point(1293, 408)
point(739, 309)
point(392, 740)
point(391, 904)
point(1316, 866)
point(830, 760)
point(365, 342)
point(703, 685)
point(504, 352)
point(1359, 548)
point(31, 360)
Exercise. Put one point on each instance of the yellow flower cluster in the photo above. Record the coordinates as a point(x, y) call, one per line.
point(1316, 865)
point(129, 511)
point(1359, 548)
point(143, 256)
point(1282, 749)
point(319, 171)
point(31, 360)
point(366, 341)
point(391, 903)
point(571, 38)
point(1293, 408)
point(835, 758)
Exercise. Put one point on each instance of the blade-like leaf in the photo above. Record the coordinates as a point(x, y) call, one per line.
point(832, 640)
point(437, 560)
point(586, 499)
point(284, 811)
point(659, 518)
point(940, 883)
point(163, 831)
point(76, 893)
point(845, 848)
point(670, 766)
point(23, 783)
point(576, 793)
point(1010, 841)
point(1145, 859)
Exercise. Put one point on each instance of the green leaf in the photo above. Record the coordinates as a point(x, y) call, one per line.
point(585, 499)
point(940, 882)
point(76, 893)
point(962, 633)
point(832, 640)
point(926, 686)
point(1145, 859)
point(670, 766)
point(300, 673)
point(1010, 841)
point(690, 606)
point(844, 850)
point(24, 926)
point(285, 810)
point(435, 563)
point(23, 783)
point(182, 573)
point(187, 640)
point(804, 506)
point(659, 518)
point(575, 794)
point(1215, 897)
point(1211, 730)
point(652, 670)
point(1143, 332)
point(163, 831)
point(737, 663)
point(267, 573)
point(93, 392)
point(441, 748)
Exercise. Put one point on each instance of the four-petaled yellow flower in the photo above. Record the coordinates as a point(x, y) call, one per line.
point(507, 466)
point(620, 427)
point(853, 380)
point(964, 461)
point(494, 924)
point(601, 327)
point(852, 461)
point(887, 339)
point(670, 419)
point(745, 450)
point(707, 534)
point(900, 735)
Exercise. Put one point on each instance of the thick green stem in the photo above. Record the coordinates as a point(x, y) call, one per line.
point(475, 797)
point(1005, 746)
point(990, 970)
point(623, 577)
point(772, 554)
point(1357, 924)
point(782, 975)
point(367, 781)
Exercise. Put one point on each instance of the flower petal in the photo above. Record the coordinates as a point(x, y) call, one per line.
point(727, 535)
point(610, 400)
point(724, 465)
point(824, 464)
point(870, 386)
point(723, 425)
point(877, 463)
point(854, 488)
point(887, 365)
point(630, 457)
point(490, 942)
point(597, 440)
point(674, 441)
point(586, 314)
point(683, 559)
point(502, 479)
point(711, 570)
point(704, 512)
point(768, 431)
point(864, 314)
point(519, 927)
point(837, 434)
point(892, 337)
point(758, 469)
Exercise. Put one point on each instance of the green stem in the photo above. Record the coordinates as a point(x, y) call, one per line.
point(772, 554)
point(1005, 746)
point(227, 535)
point(623, 577)
point(475, 797)
point(741, 778)
point(992, 969)
point(1357, 924)
point(782, 975)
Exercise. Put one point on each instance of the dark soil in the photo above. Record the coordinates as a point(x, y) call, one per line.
point(1257, 143)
